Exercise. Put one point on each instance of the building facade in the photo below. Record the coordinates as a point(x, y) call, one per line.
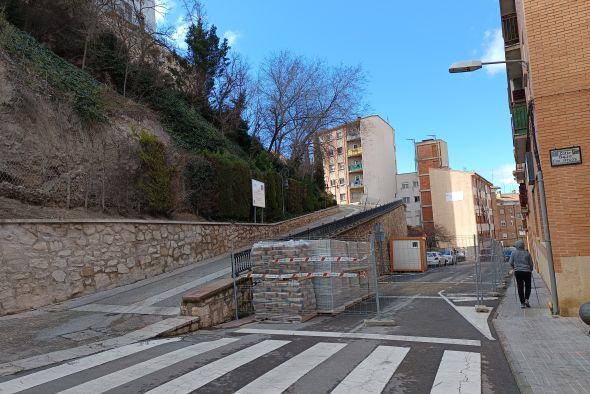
point(359, 161)
point(138, 12)
point(408, 189)
point(462, 203)
point(549, 97)
point(431, 153)
point(508, 219)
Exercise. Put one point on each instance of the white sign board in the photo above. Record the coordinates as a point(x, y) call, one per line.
point(258, 199)
point(455, 196)
point(566, 156)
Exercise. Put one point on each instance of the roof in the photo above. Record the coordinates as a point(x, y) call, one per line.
point(353, 121)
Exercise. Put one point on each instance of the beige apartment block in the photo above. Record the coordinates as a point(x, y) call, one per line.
point(408, 189)
point(359, 161)
point(550, 101)
point(462, 202)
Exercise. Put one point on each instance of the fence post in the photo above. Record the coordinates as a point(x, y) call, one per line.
point(375, 278)
point(232, 261)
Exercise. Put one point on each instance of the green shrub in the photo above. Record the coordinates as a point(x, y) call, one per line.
point(201, 187)
point(156, 178)
point(60, 74)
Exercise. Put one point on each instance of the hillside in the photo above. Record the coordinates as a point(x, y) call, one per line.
point(70, 142)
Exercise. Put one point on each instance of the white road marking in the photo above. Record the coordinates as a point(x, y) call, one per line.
point(115, 379)
point(201, 376)
point(280, 378)
point(355, 335)
point(373, 373)
point(47, 375)
point(182, 288)
point(479, 320)
point(130, 309)
point(458, 372)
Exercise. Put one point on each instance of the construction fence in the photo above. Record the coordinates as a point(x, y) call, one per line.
point(295, 280)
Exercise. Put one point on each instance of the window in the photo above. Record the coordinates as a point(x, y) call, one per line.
point(511, 223)
point(331, 152)
point(321, 139)
point(339, 151)
point(342, 196)
point(510, 211)
point(406, 200)
point(341, 181)
point(332, 182)
point(341, 166)
point(331, 167)
point(503, 223)
point(501, 212)
point(405, 185)
point(338, 134)
point(415, 244)
point(519, 215)
point(416, 184)
point(416, 198)
point(504, 236)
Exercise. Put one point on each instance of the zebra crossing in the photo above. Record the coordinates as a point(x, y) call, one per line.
point(458, 371)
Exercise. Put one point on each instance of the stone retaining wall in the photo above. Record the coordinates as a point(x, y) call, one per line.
point(43, 262)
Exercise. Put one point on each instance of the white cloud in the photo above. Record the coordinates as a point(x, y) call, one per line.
point(179, 34)
point(502, 176)
point(232, 36)
point(163, 8)
point(493, 45)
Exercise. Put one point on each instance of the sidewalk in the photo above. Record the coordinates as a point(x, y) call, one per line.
point(104, 319)
point(546, 354)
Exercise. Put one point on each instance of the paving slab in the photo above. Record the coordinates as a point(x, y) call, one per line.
point(547, 354)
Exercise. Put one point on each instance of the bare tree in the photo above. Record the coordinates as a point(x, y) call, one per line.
point(295, 98)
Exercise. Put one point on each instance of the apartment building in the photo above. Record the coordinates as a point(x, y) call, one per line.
point(508, 219)
point(359, 161)
point(408, 189)
point(462, 202)
point(430, 153)
point(134, 10)
point(549, 96)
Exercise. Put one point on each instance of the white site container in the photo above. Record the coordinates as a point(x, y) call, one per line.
point(408, 254)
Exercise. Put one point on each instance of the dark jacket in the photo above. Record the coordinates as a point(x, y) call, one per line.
point(520, 259)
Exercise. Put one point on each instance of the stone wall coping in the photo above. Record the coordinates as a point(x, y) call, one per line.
point(142, 221)
point(203, 293)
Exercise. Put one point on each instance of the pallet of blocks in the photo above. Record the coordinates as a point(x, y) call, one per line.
point(334, 294)
point(282, 300)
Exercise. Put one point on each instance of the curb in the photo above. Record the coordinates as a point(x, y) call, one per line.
point(167, 327)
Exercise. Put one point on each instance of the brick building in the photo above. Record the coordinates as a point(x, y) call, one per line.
point(408, 189)
point(550, 106)
point(431, 153)
point(508, 219)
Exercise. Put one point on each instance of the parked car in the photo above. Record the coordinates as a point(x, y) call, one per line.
point(460, 255)
point(508, 252)
point(449, 257)
point(433, 259)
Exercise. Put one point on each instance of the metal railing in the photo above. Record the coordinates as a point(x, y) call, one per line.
point(241, 261)
point(355, 151)
point(355, 167)
point(510, 29)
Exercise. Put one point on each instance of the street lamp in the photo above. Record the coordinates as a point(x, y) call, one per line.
point(472, 65)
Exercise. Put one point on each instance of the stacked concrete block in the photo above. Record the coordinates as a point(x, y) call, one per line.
point(282, 300)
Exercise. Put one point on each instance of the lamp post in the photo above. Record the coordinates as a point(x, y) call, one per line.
point(472, 65)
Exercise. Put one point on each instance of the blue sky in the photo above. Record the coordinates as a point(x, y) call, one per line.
point(406, 48)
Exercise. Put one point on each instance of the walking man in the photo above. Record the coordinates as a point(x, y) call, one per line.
point(522, 264)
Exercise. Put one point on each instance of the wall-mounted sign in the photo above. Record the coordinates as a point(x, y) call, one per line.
point(454, 196)
point(566, 156)
point(258, 199)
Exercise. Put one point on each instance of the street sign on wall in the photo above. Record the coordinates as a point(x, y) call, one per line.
point(258, 199)
point(566, 156)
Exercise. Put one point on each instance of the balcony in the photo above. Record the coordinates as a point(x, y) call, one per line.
point(355, 151)
point(353, 136)
point(510, 29)
point(518, 96)
point(520, 119)
point(356, 184)
point(355, 167)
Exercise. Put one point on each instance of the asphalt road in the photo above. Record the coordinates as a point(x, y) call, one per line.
point(435, 346)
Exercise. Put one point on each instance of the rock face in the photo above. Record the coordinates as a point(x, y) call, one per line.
point(42, 262)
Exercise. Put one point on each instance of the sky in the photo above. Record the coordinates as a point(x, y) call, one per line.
point(406, 48)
